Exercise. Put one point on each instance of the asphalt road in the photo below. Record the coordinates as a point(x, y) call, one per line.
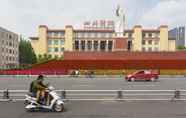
point(112, 109)
point(99, 109)
point(95, 83)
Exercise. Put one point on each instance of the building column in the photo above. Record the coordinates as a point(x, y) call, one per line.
point(113, 44)
point(99, 44)
point(106, 46)
point(69, 38)
point(137, 38)
point(92, 45)
point(86, 45)
point(79, 45)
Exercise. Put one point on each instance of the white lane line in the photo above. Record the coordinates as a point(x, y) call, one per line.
point(143, 85)
point(82, 85)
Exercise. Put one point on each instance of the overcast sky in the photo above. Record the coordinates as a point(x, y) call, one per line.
point(24, 16)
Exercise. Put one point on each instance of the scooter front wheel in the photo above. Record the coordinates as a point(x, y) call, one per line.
point(26, 102)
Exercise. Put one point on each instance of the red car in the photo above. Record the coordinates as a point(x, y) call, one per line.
point(146, 75)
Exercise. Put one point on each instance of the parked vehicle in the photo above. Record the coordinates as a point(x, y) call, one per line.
point(55, 102)
point(147, 75)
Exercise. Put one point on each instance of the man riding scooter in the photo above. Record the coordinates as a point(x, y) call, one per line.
point(43, 97)
point(37, 88)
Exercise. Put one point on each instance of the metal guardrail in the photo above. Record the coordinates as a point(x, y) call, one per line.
point(104, 95)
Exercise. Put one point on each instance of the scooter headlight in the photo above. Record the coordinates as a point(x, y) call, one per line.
point(51, 88)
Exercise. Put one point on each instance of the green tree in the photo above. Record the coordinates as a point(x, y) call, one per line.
point(26, 53)
point(180, 47)
point(50, 56)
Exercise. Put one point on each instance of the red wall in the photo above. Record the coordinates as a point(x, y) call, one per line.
point(120, 44)
point(118, 60)
point(113, 64)
point(108, 60)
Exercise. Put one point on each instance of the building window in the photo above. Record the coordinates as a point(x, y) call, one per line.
point(10, 51)
point(130, 35)
point(156, 49)
point(76, 45)
point(49, 42)
point(62, 49)
point(150, 34)
point(103, 45)
point(110, 44)
point(2, 41)
point(156, 42)
point(55, 34)
point(143, 35)
point(143, 42)
point(95, 45)
point(83, 45)
point(129, 45)
point(62, 34)
point(56, 42)
point(56, 56)
point(125, 34)
point(62, 42)
point(56, 49)
point(49, 49)
point(150, 42)
point(49, 34)
point(89, 45)
point(10, 37)
point(157, 35)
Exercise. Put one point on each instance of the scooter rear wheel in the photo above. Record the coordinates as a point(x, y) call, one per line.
point(58, 107)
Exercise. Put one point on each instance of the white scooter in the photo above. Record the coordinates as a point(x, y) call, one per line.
point(54, 102)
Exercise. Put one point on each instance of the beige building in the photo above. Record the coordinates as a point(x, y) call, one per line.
point(56, 41)
point(9, 49)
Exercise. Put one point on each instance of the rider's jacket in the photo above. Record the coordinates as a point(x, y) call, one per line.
point(36, 85)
